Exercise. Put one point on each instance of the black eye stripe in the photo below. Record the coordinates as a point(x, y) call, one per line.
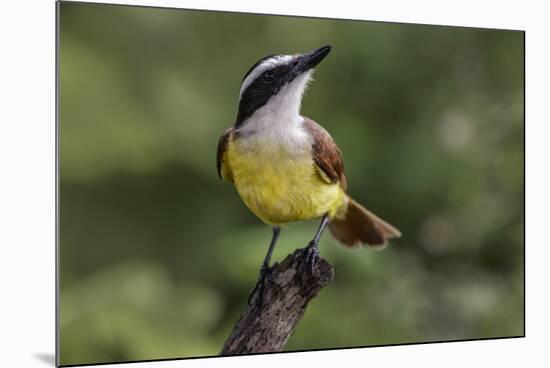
point(255, 65)
point(268, 75)
point(267, 84)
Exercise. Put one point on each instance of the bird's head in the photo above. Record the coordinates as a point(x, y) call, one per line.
point(276, 83)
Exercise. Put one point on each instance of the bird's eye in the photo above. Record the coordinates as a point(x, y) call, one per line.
point(268, 76)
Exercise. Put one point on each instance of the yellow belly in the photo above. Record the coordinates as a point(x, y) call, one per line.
point(280, 187)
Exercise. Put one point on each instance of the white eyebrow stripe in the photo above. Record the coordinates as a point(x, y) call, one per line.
point(264, 65)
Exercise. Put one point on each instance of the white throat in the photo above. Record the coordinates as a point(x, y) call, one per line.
point(281, 114)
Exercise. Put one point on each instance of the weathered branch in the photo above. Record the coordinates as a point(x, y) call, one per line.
point(267, 328)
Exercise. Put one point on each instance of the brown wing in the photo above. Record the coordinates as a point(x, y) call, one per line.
point(223, 170)
point(326, 154)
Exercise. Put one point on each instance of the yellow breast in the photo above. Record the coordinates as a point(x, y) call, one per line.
point(281, 186)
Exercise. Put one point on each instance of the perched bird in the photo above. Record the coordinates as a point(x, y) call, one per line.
point(285, 166)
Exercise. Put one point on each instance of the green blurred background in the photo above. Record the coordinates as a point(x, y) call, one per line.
point(158, 255)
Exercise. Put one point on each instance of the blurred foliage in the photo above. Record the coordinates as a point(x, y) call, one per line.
point(158, 255)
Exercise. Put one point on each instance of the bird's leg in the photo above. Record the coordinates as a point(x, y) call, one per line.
point(312, 250)
point(265, 271)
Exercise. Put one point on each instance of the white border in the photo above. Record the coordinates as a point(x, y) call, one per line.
point(27, 183)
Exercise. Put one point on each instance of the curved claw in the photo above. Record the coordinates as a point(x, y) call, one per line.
point(311, 255)
point(252, 292)
point(266, 274)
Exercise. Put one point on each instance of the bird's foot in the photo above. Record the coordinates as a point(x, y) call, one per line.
point(311, 256)
point(266, 276)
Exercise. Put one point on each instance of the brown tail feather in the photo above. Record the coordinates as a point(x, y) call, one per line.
point(360, 226)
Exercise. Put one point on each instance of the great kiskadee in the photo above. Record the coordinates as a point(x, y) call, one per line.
point(285, 166)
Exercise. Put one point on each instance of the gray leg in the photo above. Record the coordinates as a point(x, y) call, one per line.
point(312, 250)
point(276, 232)
point(324, 222)
point(265, 271)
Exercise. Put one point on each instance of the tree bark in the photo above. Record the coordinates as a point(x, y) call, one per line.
point(267, 327)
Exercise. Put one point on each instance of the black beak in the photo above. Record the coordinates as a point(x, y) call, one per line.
point(310, 59)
